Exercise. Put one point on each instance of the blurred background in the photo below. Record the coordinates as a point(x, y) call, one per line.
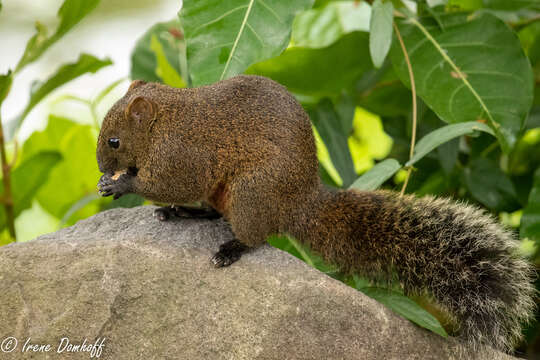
point(109, 31)
point(65, 62)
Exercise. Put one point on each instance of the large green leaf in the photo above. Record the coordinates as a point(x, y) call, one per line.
point(530, 221)
point(143, 59)
point(76, 175)
point(444, 134)
point(48, 139)
point(319, 72)
point(224, 37)
point(490, 186)
point(406, 308)
point(474, 70)
point(85, 64)
point(26, 180)
point(70, 13)
point(334, 126)
point(321, 27)
point(5, 85)
point(380, 33)
point(377, 175)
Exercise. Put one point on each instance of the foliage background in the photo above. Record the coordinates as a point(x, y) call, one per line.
point(476, 66)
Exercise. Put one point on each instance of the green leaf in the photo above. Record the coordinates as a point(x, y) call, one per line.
point(319, 72)
point(27, 179)
point(76, 175)
point(295, 248)
point(85, 64)
point(406, 308)
point(380, 32)
point(530, 221)
point(447, 155)
point(334, 128)
point(5, 85)
point(474, 70)
point(512, 5)
point(70, 13)
point(48, 139)
point(143, 59)
point(29, 176)
point(377, 175)
point(490, 186)
point(164, 70)
point(444, 134)
point(224, 37)
point(321, 27)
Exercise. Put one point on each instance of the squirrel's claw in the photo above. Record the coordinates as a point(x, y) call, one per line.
point(163, 213)
point(107, 186)
point(221, 260)
point(228, 253)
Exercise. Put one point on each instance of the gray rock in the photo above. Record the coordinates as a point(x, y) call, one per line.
point(148, 289)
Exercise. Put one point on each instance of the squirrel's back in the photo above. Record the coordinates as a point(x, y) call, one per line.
point(242, 121)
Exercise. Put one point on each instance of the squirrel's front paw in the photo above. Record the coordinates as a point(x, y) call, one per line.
point(107, 186)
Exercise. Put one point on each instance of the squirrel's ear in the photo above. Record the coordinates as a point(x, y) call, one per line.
point(142, 110)
point(136, 84)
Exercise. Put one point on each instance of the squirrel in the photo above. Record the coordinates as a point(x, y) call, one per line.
point(245, 147)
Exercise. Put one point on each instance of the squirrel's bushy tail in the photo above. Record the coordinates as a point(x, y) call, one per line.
point(456, 252)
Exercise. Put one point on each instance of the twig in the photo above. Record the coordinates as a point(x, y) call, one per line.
point(6, 178)
point(414, 105)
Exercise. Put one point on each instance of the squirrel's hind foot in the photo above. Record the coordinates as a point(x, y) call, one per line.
point(167, 212)
point(228, 253)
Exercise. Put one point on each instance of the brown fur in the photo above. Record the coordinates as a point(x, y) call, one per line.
point(245, 146)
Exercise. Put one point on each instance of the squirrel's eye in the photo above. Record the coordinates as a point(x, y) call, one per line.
point(114, 143)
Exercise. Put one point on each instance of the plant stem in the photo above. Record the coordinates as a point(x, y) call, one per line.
point(6, 178)
point(414, 105)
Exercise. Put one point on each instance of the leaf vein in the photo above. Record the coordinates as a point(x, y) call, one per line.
point(474, 44)
point(272, 11)
point(255, 33)
point(493, 72)
point(240, 32)
point(430, 72)
point(219, 18)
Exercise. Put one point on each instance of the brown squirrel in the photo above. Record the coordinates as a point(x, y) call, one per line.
point(245, 147)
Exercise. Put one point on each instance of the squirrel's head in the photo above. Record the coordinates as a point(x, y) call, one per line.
point(124, 135)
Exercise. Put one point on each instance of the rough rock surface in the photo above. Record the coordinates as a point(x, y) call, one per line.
point(149, 290)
